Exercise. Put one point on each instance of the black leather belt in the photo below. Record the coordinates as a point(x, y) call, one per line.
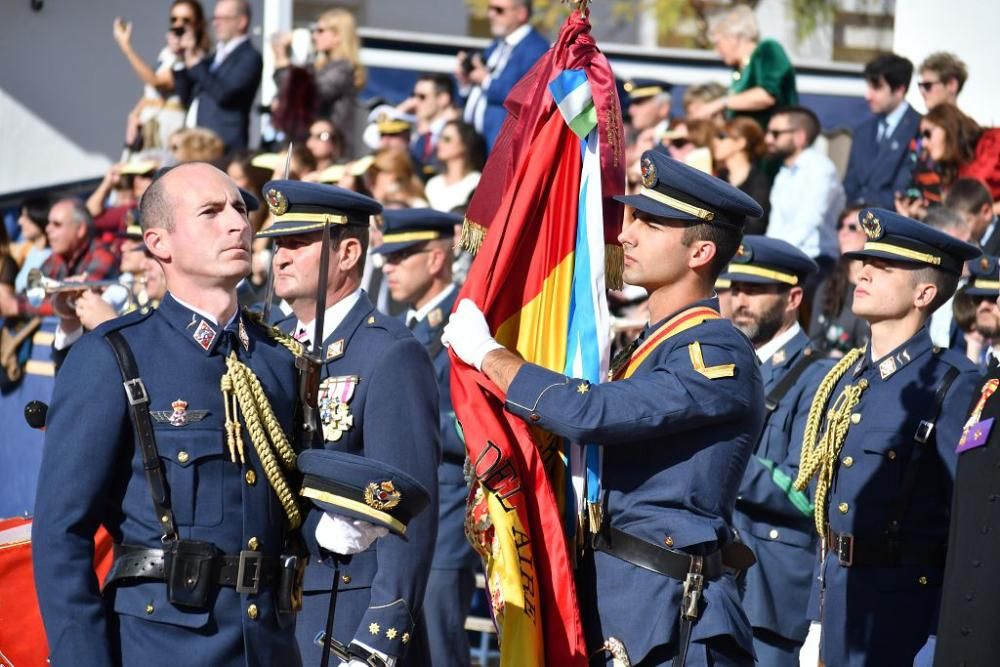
point(670, 563)
point(247, 572)
point(879, 551)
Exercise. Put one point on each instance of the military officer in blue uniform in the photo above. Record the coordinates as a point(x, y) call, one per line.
point(187, 465)
point(417, 247)
point(880, 439)
point(377, 398)
point(677, 426)
point(766, 278)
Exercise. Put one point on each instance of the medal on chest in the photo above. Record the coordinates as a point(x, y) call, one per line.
point(335, 394)
point(976, 431)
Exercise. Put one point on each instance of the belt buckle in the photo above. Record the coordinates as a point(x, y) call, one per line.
point(844, 546)
point(250, 563)
point(924, 431)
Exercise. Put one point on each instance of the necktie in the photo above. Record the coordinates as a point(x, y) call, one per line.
point(428, 147)
point(883, 130)
point(411, 322)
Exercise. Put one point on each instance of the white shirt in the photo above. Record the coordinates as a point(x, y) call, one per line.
point(420, 314)
point(806, 199)
point(771, 347)
point(892, 121)
point(335, 314)
point(444, 197)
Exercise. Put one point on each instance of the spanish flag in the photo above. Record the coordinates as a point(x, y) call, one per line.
point(545, 227)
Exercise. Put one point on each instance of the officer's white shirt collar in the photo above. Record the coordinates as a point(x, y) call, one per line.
point(893, 118)
point(771, 347)
point(430, 305)
point(335, 314)
point(207, 316)
point(518, 35)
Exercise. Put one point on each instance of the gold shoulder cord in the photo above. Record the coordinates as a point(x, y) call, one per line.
point(276, 334)
point(241, 390)
point(819, 459)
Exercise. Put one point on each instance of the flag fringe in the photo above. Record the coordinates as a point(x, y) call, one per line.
point(473, 235)
point(614, 265)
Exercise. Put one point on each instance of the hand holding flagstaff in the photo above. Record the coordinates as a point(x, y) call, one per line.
point(468, 334)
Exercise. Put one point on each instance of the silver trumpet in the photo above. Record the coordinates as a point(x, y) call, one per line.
point(117, 292)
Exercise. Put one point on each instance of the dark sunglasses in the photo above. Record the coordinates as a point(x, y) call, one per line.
point(680, 142)
point(322, 136)
point(721, 135)
point(927, 85)
point(778, 133)
point(979, 298)
point(849, 226)
point(401, 256)
point(496, 9)
point(926, 134)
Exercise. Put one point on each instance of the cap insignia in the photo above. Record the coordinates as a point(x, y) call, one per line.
point(743, 254)
point(276, 201)
point(382, 495)
point(648, 172)
point(872, 226)
point(984, 263)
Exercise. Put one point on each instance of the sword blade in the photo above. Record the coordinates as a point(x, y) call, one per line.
point(269, 286)
point(321, 283)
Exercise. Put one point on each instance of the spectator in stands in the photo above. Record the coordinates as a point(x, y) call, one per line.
point(336, 69)
point(219, 89)
point(485, 80)
point(690, 140)
point(737, 150)
point(75, 253)
point(879, 166)
point(393, 181)
point(33, 249)
point(196, 144)
point(807, 195)
point(942, 326)
point(462, 152)
point(160, 112)
point(963, 308)
point(942, 76)
point(8, 267)
point(294, 107)
point(970, 199)
point(326, 143)
point(432, 103)
point(833, 323)
point(952, 146)
point(648, 104)
point(252, 179)
point(698, 95)
point(764, 78)
point(116, 199)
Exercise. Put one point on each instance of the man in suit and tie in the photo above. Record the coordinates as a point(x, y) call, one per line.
point(971, 199)
point(487, 80)
point(878, 166)
point(417, 247)
point(219, 89)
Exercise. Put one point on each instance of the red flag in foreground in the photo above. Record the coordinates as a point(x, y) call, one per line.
point(524, 220)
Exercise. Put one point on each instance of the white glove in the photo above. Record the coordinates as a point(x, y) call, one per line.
point(809, 653)
point(468, 334)
point(345, 536)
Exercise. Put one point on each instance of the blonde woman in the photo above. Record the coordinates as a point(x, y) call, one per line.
point(336, 68)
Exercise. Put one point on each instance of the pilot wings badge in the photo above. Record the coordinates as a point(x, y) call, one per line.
point(179, 416)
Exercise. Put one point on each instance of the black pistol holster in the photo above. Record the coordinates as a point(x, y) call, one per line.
point(187, 569)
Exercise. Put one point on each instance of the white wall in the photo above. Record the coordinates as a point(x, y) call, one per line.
point(967, 28)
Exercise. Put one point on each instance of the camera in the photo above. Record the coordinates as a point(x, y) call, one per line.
point(468, 63)
point(178, 32)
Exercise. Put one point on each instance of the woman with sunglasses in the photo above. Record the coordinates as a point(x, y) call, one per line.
point(950, 146)
point(737, 149)
point(160, 112)
point(462, 152)
point(833, 324)
point(336, 69)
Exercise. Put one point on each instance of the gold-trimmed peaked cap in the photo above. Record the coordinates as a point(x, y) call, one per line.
point(298, 207)
point(674, 190)
point(896, 238)
point(361, 488)
point(638, 90)
point(407, 227)
point(984, 279)
point(768, 261)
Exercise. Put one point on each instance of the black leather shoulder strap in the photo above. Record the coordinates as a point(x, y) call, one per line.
point(788, 380)
point(138, 400)
point(925, 433)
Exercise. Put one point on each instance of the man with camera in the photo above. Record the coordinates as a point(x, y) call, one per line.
point(486, 79)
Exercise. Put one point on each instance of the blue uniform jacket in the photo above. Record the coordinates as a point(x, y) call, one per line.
point(522, 58)
point(453, 550)
point(92, 474)
point(676, 444)
point(773, 519)
point(395, 419)
point(876, 170)
point(876, 615)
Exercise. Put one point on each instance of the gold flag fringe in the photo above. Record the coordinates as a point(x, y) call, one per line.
point(473, 235)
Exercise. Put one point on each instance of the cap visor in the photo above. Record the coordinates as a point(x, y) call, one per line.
point(747, 278)
point(389, 248)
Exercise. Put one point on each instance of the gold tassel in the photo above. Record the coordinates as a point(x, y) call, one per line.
point(473, 236)
point(614, 265)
